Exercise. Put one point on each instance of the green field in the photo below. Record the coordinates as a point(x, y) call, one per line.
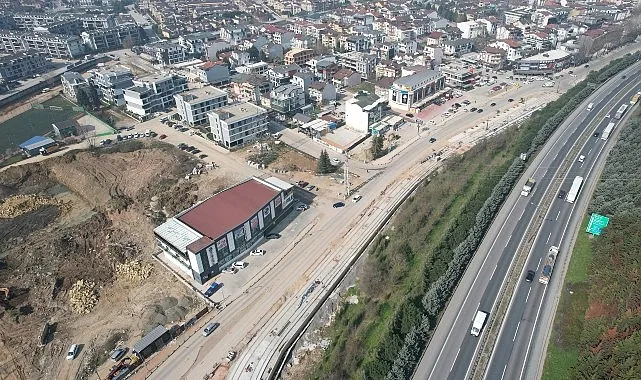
point(34, 122)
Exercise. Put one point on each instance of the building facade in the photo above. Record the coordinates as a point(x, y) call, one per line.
point(194, 105)
point(153, 93)
point(363, 110)
point(362, 63)
point(72, 83)
point(126, 35)
point(237, 124)
point(22, 64)
point(298, 56)
point(414, 91)
point(111, 84)
point(287, 99)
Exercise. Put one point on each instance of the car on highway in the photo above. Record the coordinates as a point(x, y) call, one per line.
point(581, 158)
point(357, 198)
point(338, 204)
point(473, 109)
point(257, 252)
point(530, 275)
point(607, 116)
point(213, 288)
point(117, 353)
point(230, 270)
point(272, 236)
point(466, 102)
point(510, 100)
point(240, 264)
point(595, 134)
point(195, 151)
point(432, 139)
point(562, 194)
point(210, 328)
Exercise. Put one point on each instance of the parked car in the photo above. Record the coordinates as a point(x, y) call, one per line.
point(302, 207)
point(492, 104)
point(479, 110)
point(432, 139)
point(302, 184)
point(338, 204)
point(230, 270)
point(510, 100)
point(231, 355)
point(196, 151)
point(213, 288)
point(73, 351)
point(530, 275)
point(257, 252)
point(162, 137)
point(210, 328)
point(202, 156)
point(272, 236)
point(240, 264)
point(117, 353)
point(473, 109)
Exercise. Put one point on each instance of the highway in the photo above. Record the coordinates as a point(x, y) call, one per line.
point(453, 349)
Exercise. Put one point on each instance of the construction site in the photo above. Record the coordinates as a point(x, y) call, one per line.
point(75, 255)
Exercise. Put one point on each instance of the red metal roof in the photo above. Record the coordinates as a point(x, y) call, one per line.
point(228, 209)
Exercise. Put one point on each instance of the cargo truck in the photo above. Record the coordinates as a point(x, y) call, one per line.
point(549, 265)
point(574, 190)
point(527, 188)
point(479, 322)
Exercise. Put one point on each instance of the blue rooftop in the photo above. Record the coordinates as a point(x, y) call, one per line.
point(36, 142)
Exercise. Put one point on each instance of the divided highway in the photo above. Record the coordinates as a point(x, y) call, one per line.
point(452, 350)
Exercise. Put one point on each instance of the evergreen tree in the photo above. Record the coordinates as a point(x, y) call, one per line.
point(83, 98)
point(324, 166)
point(377, 147)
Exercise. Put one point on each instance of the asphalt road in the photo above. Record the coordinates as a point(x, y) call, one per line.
point(453, 349)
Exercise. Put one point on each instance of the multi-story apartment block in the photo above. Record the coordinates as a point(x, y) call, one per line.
point(92, 22)
point(287, 99)
point(22, 64)
point(165, 53)
point(259, 68)
point(513, 49)
point(250, 87)
point(298, 56)
point(232, 34)
point(459, 76)
point(125, 35)
point(318, 5)
point(363, 110)
point(493, 57)
point(195, 43)
point(514, 15)
point(539, 41)
point(281, 75)
point(56, 46)
point(71, 27)
point(414, 91)
point(407, 47)
point(472, 29)
point(72, 83)
point(215, 73)
point(193, 105)
point(364, 64)
point(29, 21)
point(303, 80)
point(457, 48)
point(237, 124)
point(153, 93)
point(111, 84)
point(11, 42)
point(354, 43)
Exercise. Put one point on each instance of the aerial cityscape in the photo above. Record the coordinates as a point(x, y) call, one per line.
point(320, 189)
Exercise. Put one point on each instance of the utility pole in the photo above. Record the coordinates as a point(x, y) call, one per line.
point(346, 175)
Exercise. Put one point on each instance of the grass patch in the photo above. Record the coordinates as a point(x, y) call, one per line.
point(581, 256)
point(558, 362)
point(12, 160)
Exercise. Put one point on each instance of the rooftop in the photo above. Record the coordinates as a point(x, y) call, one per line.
point(230, 208)
point(36, 142)
point(548, 55)
point(238, 111)
point(202, 94)
point(415, 79)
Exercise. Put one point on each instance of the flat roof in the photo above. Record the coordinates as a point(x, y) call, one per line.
point(230, 208)
point(176, 233)
point(414, 79)
point(36, 142)
point(548, 56)
point(237, 111)
point(148, 339)
point(201, 94)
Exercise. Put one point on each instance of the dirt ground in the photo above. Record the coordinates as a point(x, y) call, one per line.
point(80, 217)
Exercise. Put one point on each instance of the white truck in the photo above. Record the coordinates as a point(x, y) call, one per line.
point(479, 322)
point(527, 188)
point(549, 265)
point(147, 132)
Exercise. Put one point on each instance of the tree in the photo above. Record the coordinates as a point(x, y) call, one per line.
point(254, 54)
point(83, 99)
point(324, 166)
point(94, 98)
point(377, 147)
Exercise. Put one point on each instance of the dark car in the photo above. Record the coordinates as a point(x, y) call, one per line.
point(586, 66)
point(303, 184)
point(530, 275)
point(479, 110)
point(118, 353)
point(162, 137)
point(195, 151)
point(202, 156)
point(473, 109)
point(338, 204)
point(561, 194)
point(212, 289)
point(272, 236)
point(492, 104)
point(433, 139)
point(510, 100)
point(570, 72)
point(623, 77)
point(596, 134)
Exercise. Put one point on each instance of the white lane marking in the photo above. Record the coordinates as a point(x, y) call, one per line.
point(528, 294)
point(539, 264)
point(517, 331)
point(508, 241)
point(456, 357)
point(549, 236)
point(589, 151)
point(503, 375)
point(492, 276)
point(557, 215)
point(523, 212)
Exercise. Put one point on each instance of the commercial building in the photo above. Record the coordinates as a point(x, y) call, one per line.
point(459, 76)
point(111, 84)
point(416, 90)
point(544, 63)
point(194, 105)
point(22, 64)
point(72, 83)
point(211, 235)
point(287, 98)
point(32, 146)
point(125, 35)
point(237, 124)
point(153, 93)
point(298, 56)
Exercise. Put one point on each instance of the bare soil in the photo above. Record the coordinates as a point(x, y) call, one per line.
point(102, 210)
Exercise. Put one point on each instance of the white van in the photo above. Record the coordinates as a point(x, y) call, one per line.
point(357, 198)
point(479, 322)
point(590, 106)
point(210, 328)
point(73, 351)
point(581, 158)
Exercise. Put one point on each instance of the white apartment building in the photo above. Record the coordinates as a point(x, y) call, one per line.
point(259, 68)
point(125, 35)
point(287, 98)
point(364, 64)
point(165, 53)
point(72, 83)
point(194, 105)
point(237, 124)
point(363, 110)
point(153, 93)
point(54, 45)
point(111, 84)
point(471, 29)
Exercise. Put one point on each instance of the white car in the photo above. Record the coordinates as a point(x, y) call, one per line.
point(302, 207)
point(231, 270)
point(257, 252)
point(240, 264)
point(607, 116)
point(73, 351)
point(231, 355)
point(581, 158)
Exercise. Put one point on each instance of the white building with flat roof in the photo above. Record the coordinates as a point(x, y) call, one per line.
point(153, 93)
point(413, 91)
point(194, 105)
point(237, 124)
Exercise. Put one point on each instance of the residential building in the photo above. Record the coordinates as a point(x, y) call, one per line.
point(287, 99)
point(513, 15)
point(237, 124)
point(364, 64)
point(416, 90)
point(153, 93)
point(195, 43)
point(459, 76)
point(322, 92)
point(111, 84)
point(281, 75)
point(165, 53)
point(215, 73)
point(259, 68)
point(345, 78)
point(471, 29)
point(363, 110)
point(22, 64)
point(298, 56)
point(72, 83)
point(458, 47)
point(250, 87)
point(493, 57)
point(55, 46)
point(193, 105)
point(232, 34)
point(121, 36)
point(513, 49)
point(303, 80)
point(209, 236)
point(539, 41)
point(354, 43)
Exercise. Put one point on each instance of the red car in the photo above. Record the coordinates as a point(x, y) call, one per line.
point(162, 137)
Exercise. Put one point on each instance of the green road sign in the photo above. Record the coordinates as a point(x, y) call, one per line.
point(596, 224)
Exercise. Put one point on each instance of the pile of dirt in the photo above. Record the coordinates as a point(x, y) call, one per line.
point(133, 271)
point(83, 296)
point(18, 205)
